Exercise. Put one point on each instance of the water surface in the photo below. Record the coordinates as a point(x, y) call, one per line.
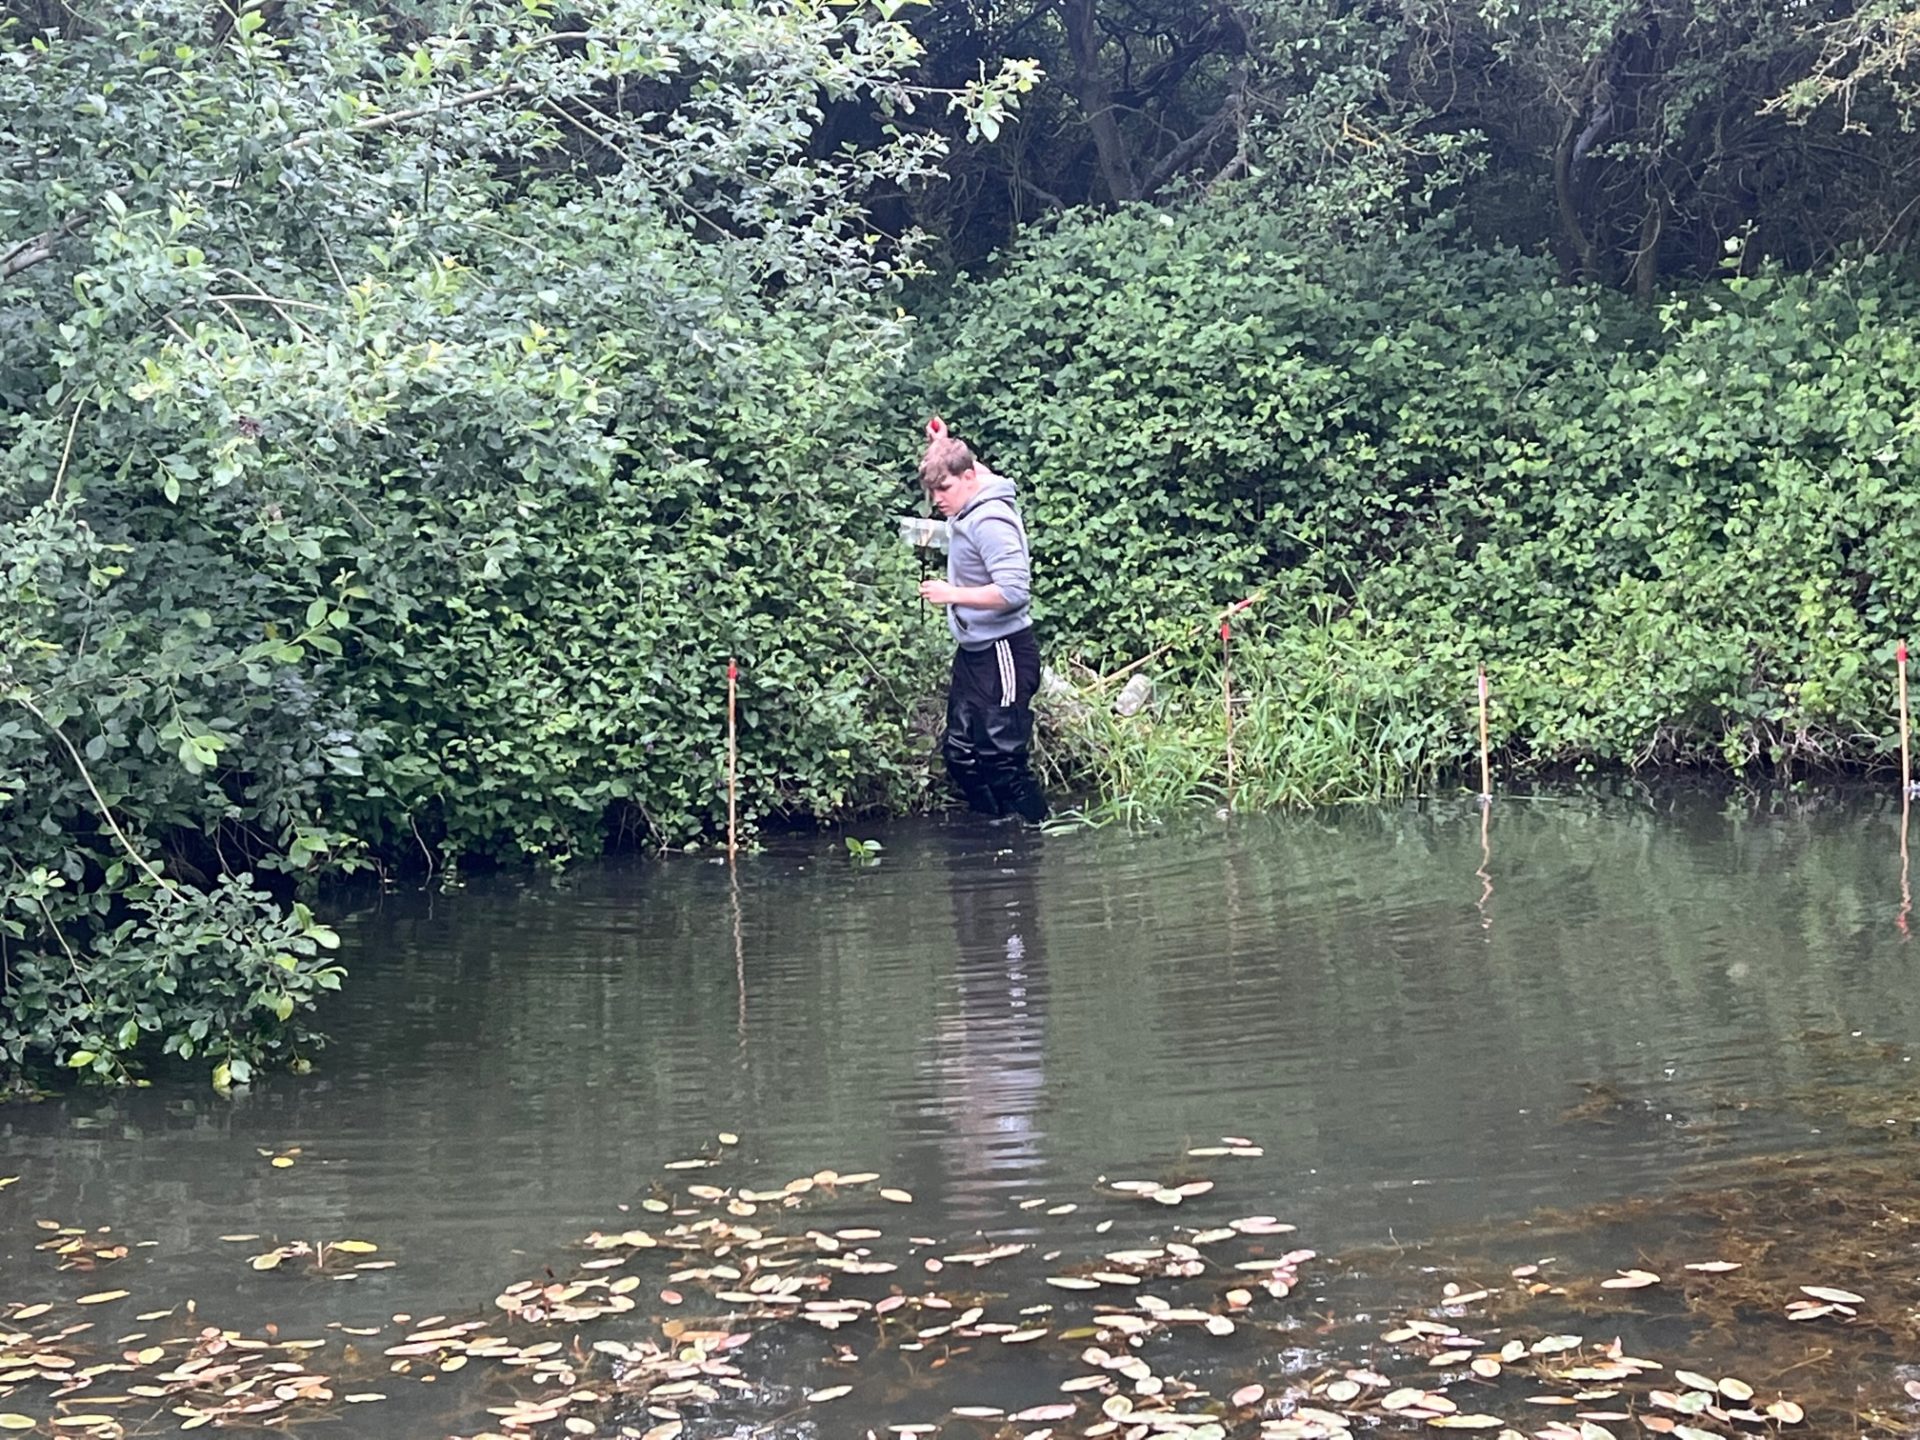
point(1400, 1015)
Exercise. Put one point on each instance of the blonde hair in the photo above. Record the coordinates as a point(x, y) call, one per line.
point(946, 457)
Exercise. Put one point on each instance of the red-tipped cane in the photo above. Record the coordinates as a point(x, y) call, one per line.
point(1226, 695)
point(733, 759)
point(1486, 768)
point(1906, 754)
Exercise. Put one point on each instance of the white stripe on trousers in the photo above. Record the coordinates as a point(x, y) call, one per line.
point(1003, 652)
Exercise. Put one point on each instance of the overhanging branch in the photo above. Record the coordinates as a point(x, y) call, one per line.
point(37, 248)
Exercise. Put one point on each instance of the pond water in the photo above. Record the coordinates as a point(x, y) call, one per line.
point(1425, 1029)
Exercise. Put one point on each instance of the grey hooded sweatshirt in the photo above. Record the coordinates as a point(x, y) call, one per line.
point(987, 545)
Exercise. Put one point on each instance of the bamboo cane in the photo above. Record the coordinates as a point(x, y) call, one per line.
point(733, 759)
point(1226, 694)
point(1906, 754)
point(1486, 768)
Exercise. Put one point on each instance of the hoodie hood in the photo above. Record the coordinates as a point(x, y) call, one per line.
point(992, 487)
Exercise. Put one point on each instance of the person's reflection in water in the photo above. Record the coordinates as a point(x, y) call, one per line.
point(989, 1040)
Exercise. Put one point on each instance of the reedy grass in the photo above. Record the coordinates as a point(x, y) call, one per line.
point(1317, 721)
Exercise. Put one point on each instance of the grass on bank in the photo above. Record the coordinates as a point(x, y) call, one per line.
point(1315, 722)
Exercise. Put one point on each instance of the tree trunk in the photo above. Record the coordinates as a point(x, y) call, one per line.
point(1646, 260)
point(1566, 195)
point(1096, 101)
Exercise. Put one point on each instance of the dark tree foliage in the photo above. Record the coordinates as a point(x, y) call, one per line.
point(1639, 137)
point(1633, 138)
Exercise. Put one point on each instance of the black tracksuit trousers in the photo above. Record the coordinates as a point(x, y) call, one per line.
point(990, 726)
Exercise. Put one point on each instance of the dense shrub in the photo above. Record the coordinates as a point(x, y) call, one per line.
point(1683, 534)
point(387, 475)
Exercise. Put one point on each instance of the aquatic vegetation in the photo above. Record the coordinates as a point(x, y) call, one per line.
point(1316, 721)
point(863, 852)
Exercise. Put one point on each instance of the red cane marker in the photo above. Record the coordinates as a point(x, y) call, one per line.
point(1486, 764)
point(1226, 699)
point(733, 763)
point(1906, 752)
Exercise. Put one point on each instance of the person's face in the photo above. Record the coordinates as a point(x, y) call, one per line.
point(951, 494)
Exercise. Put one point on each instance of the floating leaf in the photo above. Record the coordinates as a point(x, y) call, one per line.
point(1252, 1395)
point(1059, 1410)
point(1836, 1297)
point(355, 1247)
point(832, 1392)
point(1786, 1412)
point(1714, 1267)
point(101, 1297)
point(12, 1421)
point(1631, 1280)
point(1694, 1380)
point(1466, 1422)
point(898, 1197)
point(1737, 1391)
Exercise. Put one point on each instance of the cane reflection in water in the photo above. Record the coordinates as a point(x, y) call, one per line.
point(989, 1043)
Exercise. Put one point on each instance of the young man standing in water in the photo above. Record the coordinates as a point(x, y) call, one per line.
point(996, 665)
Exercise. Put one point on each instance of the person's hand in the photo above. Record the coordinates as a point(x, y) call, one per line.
point(936, 592)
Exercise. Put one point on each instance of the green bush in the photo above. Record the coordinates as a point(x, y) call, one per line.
point(387, 475)
point(1679, 535)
